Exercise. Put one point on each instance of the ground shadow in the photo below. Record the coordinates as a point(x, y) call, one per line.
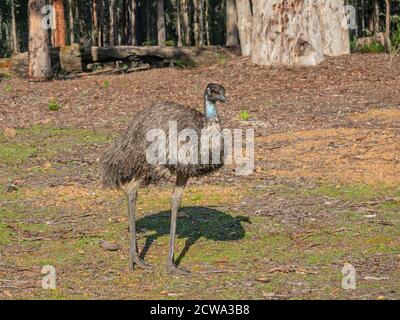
point(200, 222)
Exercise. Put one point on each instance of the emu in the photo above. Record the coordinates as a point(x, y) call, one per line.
point(125, 164)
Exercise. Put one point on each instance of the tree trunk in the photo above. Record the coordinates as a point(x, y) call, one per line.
point(95, 25)
point(376, 16)
point(231, 24)
point(59, 34)
point(286, 33)
point(39, 64)
point(185, 22)
point(201, 23)
point(100, 18)
point(71, 22)
point(73, 59)
point(14, 28)
point(196, 27)
point(245, 22)
point(112, 22)
point(133, 7)
point(178, 22)
point(161, 33)
point(388, 45)
point(334, 35)
point(207, 25)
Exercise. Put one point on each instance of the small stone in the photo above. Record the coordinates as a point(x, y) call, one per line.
point(10, 133)
point(110, 246)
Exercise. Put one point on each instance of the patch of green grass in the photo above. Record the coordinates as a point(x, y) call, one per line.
point(375, 47)
point(14, 153)
point(244, 115)
point(53, 106)
point(4, 234)
point(106, 84)
point(355, 192)
point(7, 87)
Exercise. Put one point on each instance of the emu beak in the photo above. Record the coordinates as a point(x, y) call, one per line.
point(223, 98)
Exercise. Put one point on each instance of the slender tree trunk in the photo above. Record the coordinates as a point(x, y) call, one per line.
point(376, 16)
point(245, 22)
point(39, 65)
point(286, 33)
point(335, 38)
point(178, 22)
point(231, 24)
point(161, 33)
point(133, 7)
point(388, 45)
point(196, 26)
point(207, 25)
point(100, 17)
point(112, 22)
point(363, 17)
point(95, 25)
point(201, 23)
point(185, 22)
point(71, 22)
point(14, 28)
point(59, 34)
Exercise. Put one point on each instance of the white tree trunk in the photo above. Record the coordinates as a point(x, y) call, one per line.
point(334, 33)
point(245, 23)
point(39, 52)
point(286, 33)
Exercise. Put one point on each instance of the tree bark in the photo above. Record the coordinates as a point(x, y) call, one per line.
point(286, 33)
point(231, 24)
point(201, 23)
point(133, 7)
point(71, 22)
point(112, 22)
point(388, 45)
point(95, 25)
point(14, 28)
point(185, 22)
point(196, 26)
point(334, 35)
point(161, 33)
point(207, 25)
point(245, 23)
point(376, 16)
point(59, 34)
point(178, 22)
point(39, 63)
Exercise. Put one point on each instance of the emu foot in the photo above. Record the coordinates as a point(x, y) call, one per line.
point(174, 270)
point(135, 260)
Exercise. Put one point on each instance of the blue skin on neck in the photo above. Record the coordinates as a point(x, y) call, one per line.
point(211, 111)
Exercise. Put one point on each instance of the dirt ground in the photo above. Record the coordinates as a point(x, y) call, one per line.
point(325, 191)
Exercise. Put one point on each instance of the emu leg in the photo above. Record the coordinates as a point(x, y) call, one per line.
point(175, 203)
point(134, 258)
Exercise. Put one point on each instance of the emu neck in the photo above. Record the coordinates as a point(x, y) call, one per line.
point(210, 109)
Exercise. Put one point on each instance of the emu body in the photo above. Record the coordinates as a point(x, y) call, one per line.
point(125, 164)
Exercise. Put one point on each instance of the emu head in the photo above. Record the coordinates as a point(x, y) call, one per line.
point(215, 92)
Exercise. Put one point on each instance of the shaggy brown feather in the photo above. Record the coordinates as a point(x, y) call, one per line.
point(125, 159)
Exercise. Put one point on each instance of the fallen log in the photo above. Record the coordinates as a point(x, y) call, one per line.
point(75, 58)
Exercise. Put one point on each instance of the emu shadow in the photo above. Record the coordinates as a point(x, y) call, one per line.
point(201, 222)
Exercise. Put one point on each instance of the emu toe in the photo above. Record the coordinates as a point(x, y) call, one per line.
point(135, 260)
point(174, 270)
